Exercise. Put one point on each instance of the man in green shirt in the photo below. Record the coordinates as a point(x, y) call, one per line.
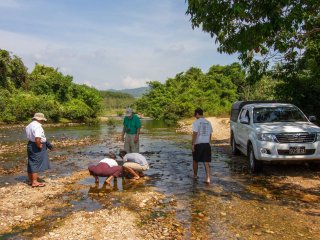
point(131, 131)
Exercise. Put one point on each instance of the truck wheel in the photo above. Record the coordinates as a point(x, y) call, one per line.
point(235, 150)
point(255, 166)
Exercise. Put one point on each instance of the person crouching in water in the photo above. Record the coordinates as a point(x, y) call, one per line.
point(108, 167)
point(134, 161)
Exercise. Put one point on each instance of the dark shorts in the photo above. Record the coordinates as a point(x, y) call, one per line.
point(104, 170)
point(202, 152)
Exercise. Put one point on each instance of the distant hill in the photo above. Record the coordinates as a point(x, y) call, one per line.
point(135, 92)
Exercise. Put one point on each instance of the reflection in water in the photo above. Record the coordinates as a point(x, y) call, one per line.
point(118, 184)
point(103, 190)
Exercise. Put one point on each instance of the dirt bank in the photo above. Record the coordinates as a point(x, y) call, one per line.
point(221, 128)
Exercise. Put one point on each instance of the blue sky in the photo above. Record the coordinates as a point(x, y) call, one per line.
point(105, 43)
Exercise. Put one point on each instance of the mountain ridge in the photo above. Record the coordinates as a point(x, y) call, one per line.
point(135, 92)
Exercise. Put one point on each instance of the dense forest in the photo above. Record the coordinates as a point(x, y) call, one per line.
point(45, 90)
point(214, 91)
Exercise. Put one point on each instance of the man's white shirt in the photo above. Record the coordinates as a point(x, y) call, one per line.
point(203, 129)
point(34, 130)
point(111, 162)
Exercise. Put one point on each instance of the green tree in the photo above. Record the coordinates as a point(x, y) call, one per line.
point(76, 109)
point(48, 80)
point(21, 105)
point(259, 30)
point(13, 73)
point(300, 82)
point(90, 96)
point(45, 90)
point(179, 96)
point(281, 37)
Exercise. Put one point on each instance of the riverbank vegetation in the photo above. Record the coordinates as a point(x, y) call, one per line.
point(279, 51)
point(114, 103)
point(214, 91)
point(45, 90)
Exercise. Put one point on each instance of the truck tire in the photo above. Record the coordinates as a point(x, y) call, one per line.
point(235, 150)
point(255, 166)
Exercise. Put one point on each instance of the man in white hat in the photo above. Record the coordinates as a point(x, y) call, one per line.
point(131, 131)
point(38, 159)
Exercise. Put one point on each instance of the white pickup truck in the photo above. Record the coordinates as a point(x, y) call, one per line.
point(265, 131)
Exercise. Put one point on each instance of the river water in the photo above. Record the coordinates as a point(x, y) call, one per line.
point(236, 205)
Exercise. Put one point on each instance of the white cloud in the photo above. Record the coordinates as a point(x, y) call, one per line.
point(131, 82)
point(153, 42)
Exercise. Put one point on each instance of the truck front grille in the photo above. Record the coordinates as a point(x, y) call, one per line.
point(303, 137)
point(286, 152)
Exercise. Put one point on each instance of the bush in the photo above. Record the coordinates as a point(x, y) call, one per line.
point(77, 110)
point(22, 106)
point(177, 98)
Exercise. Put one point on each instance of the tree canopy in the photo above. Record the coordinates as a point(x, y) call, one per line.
point(45, 90)
point(214, 91)
point(13, 73)
point(280, 30)
point(279, 38)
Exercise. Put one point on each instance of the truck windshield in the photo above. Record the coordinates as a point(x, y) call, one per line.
point(278, 114)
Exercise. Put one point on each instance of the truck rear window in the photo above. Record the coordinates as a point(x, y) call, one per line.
point(278, 114)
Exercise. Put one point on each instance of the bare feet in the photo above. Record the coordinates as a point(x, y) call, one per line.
point(207, 181)
point(37, 184)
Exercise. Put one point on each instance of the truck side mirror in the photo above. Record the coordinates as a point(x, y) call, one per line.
point(312, 118)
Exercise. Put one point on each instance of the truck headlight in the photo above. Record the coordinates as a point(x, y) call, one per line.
point(268, 137)
point(318, 136)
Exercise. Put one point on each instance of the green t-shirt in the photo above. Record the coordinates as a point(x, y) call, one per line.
point(131, 124)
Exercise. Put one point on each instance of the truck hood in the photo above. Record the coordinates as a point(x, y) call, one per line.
point(283, 127)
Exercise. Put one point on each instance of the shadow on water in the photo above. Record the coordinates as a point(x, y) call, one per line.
point(170, 159)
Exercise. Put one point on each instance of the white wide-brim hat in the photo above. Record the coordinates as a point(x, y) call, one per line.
point(39, 117)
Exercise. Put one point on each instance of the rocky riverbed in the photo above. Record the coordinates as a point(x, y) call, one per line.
point(281, 203)
point(35, 212)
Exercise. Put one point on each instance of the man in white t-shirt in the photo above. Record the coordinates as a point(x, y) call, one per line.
point(201, 149)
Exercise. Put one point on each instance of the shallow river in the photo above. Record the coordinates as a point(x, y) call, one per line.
point(281, 203)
